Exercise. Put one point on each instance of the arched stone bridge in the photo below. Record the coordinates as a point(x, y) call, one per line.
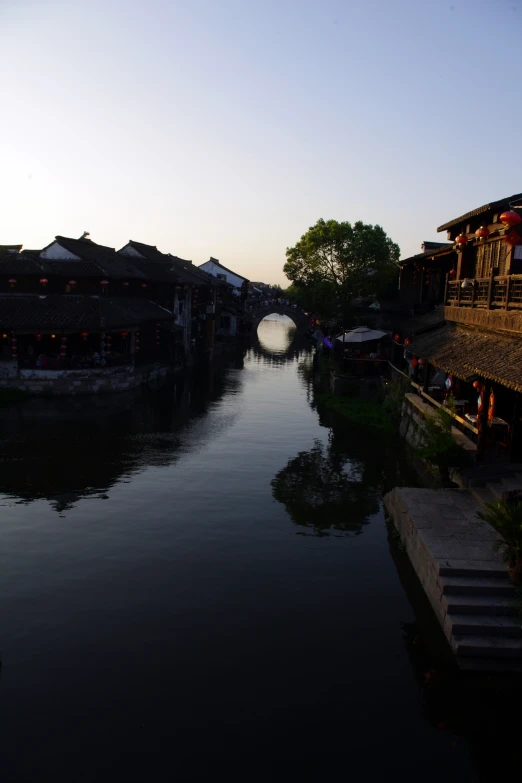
point(256, 315)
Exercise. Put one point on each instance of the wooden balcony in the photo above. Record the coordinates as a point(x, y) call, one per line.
point(494, 302)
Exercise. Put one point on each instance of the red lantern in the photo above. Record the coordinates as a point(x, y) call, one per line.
point(125, 284)
point(482, 233)
point(421, 362)
point(397, 337)
point(143, 285)
point(12, 282)
point(72, 283)
point(513, 238)
point(510, 219)
point(461, 240)
point(44, 281)
point(124, 334)
point(414, 362)
point(452, 272)
point(407, 341)
point(84, 335)
point(38, 337)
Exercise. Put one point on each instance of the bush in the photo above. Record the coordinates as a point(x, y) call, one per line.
point(439, 447)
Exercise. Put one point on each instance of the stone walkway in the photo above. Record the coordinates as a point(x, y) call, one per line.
point(453, 554)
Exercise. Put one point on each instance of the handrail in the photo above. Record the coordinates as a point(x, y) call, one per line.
point(443, 407)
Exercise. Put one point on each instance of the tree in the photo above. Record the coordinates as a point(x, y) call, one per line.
point(351, 260)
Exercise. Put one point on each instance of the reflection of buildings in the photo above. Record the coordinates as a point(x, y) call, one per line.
point(67, 450)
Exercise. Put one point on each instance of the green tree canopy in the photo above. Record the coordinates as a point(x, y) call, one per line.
point(354, 260)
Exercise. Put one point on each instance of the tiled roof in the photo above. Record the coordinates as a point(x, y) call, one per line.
point(492, 207)
point(27, 313)
point(23, 263)
point(465, 352)
point(443, 250)
point(156, 263)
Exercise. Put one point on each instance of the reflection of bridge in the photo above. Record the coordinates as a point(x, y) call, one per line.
point(256, 315)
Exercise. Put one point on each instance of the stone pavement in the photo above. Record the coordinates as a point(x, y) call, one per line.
point(452, 552)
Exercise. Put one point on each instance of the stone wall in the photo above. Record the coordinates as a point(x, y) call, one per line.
point(100, 380)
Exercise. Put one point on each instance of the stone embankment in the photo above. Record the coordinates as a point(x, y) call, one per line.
point(467, 584)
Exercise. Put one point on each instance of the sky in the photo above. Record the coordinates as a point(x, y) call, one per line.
point(227, 128)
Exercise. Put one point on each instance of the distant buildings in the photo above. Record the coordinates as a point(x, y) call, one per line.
point(79, 317)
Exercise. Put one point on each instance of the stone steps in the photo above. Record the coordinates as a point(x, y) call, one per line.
point(472, 569)
point(486, 647)
point(473, 625)
point(476, 585)
point(480, 605)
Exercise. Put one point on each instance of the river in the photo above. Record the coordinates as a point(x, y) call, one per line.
point(198, 581)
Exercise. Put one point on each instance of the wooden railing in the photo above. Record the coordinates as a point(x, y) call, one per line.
point(502, 291)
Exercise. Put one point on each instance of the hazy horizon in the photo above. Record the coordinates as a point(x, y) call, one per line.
point(227, 128)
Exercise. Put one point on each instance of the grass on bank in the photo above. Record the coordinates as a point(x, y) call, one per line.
point(363, 413)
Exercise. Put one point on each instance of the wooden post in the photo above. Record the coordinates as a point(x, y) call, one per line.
point(446, 289)
point(482, 420)
point(508, 290)
point(490, 291)
point(426, 377)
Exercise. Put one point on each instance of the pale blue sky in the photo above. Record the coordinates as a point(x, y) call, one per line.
point(227, 127)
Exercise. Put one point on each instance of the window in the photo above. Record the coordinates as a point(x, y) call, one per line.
point(491, 256)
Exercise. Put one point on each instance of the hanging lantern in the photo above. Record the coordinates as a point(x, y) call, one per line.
point(63, 339)
point(476, 384)
point(407, 341)
point(104, 283)
point(452, 272)
point(53, 337)
point(397, 337)
point(72, 283)
point(510, 219)
point(84, 335)
point(414, 362)
point(421, 362)
point(12, 282)
point(38, 337)
point(461, 241)
point(124, 334)
point(513, 238)
point(43, 281)
point(4, 336)
point(143, 285)
point(482, 233)
point(466, 283)
point(125, 284)
point(137, 341)
point(448, 383)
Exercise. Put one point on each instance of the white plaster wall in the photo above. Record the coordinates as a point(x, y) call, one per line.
point(215, 270)
point(128, 250)
point(58, 253)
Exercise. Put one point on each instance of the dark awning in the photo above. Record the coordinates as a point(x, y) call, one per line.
point(466, 352)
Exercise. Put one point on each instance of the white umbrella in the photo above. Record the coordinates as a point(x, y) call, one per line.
point(361, 335)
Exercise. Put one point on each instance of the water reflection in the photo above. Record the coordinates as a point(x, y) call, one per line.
point(64, 450)
point(327, 488)
point(273, 345)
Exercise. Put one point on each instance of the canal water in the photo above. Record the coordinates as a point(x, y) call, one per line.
point(198, 581)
